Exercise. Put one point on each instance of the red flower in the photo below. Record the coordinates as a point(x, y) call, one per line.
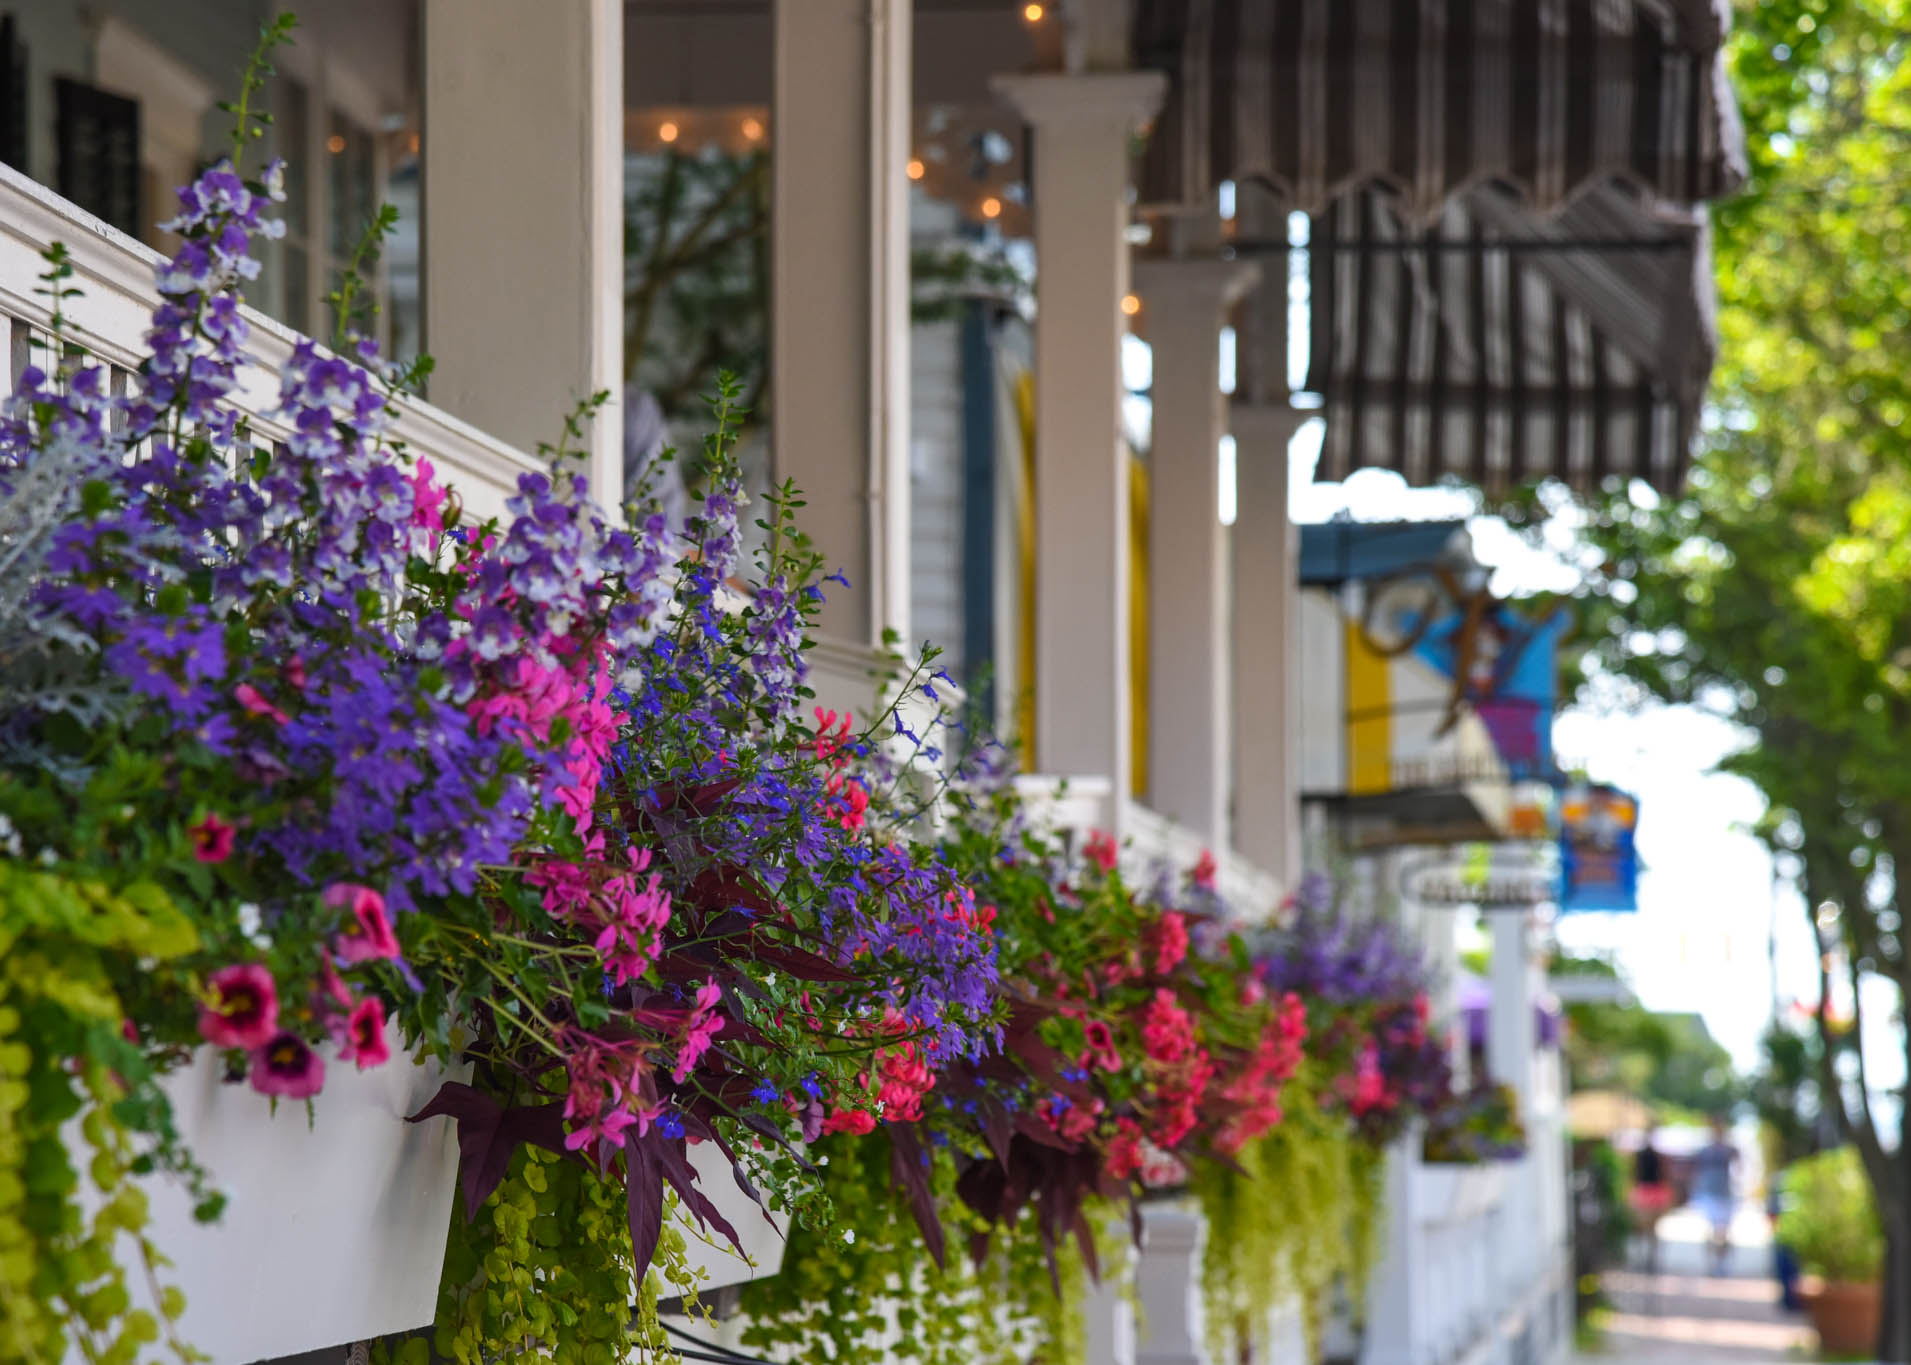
point(244, 1009)
point(211, 840)
point(368, 934)
point(1101, 851)
point(849, 1121)
point(286, 1065)
point(365, 1034)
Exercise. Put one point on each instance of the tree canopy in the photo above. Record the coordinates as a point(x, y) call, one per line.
point(1776, 589)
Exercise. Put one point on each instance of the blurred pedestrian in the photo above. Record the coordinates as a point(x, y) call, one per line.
point(1651, 1195)
point(1784, 1259)
point(1712, 1168)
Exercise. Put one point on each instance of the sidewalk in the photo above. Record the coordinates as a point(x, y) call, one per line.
point(1685, 1314)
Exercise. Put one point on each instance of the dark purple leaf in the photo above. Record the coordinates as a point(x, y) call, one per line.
point(678, 1171)
point(489, 1135)
point(645, 1186)
point(909, 1165)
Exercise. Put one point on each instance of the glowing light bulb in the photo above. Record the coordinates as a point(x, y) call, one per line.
point(915, 168)
point(1130, 304)
point(1033, 13)
point(752, 129)
point(668, 131)
point(991, 207)
point(335, 144)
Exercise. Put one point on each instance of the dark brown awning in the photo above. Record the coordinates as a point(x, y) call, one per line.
point(1429, 97)
point(1498, 347)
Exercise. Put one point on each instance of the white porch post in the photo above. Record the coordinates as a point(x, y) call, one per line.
point(1186, 302)
point(1083, 702)
point(1267, 665)
point(1511, 1041)
point(839, 316)
point(1168, 1283)
point(523, 220)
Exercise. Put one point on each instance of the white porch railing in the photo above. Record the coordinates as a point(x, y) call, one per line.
point(1152, 843)
point(112, 313)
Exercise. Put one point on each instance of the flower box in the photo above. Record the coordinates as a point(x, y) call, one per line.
point(333, 1231)
point(1452, 1193)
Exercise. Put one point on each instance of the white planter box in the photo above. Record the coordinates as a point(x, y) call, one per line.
point(332, 1232)
point(762, 1242)
point(1452, 1193)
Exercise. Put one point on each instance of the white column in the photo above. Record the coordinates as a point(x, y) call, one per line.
point(1511, 1038)
point(1083, 702)
point(1186, 302)
point(524, 218)
point(839, 317)
point(1267, 665)
point(1168, 1283)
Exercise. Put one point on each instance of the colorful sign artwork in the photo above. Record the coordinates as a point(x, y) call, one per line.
point(1598, 865)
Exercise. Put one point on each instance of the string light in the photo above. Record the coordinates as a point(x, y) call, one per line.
point(915, 168)
point(335, 144)
point(752, 130)
point(667, 131)
point(991, 207)
point(1130, 304)
point(1033, 13)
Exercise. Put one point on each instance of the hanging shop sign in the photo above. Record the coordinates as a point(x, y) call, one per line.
point(1476, 879)
point(1598, 864)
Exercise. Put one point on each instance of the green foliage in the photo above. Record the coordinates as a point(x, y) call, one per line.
point(861, 1288)
point(67, 942)
point(544, 1272)
point(1776, 588)
point(1301, 1212)
point(1831, 1221)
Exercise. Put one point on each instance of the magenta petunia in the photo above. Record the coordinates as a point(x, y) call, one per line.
point(368, 933)
point(211, 839)
point(286, 1065)
point(244, 1008)
point(365, 1034)
point(255, 701)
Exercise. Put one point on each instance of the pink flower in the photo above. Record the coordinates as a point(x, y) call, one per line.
point(294, 672)
point(427, 498)
point(1125, 1153)
point(849, 1121)
point(211, 840)
point(1101, 1046)
point(1204, 871)
point(368, 934)
point(1169, 941)
point(1101, 851)
point(286, 1065)
point(1167, 1030)
point(244, 1009)
point(699, 1032)
point(254, 701)
point(365, 1034)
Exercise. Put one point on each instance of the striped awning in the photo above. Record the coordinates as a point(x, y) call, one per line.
point(1429, 97)
point(1496, 347)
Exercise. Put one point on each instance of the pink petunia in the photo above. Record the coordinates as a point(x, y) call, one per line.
point(700, 1031)
point(244, 1009)
point(286, 1065)
point(211, 839)
point(368, 934)
point(365, 1034)
point(1101, 1046)
point(1101, 851)
point(427, 498)
point(849, 1121)
point(255, 701)
point(1169, 941)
